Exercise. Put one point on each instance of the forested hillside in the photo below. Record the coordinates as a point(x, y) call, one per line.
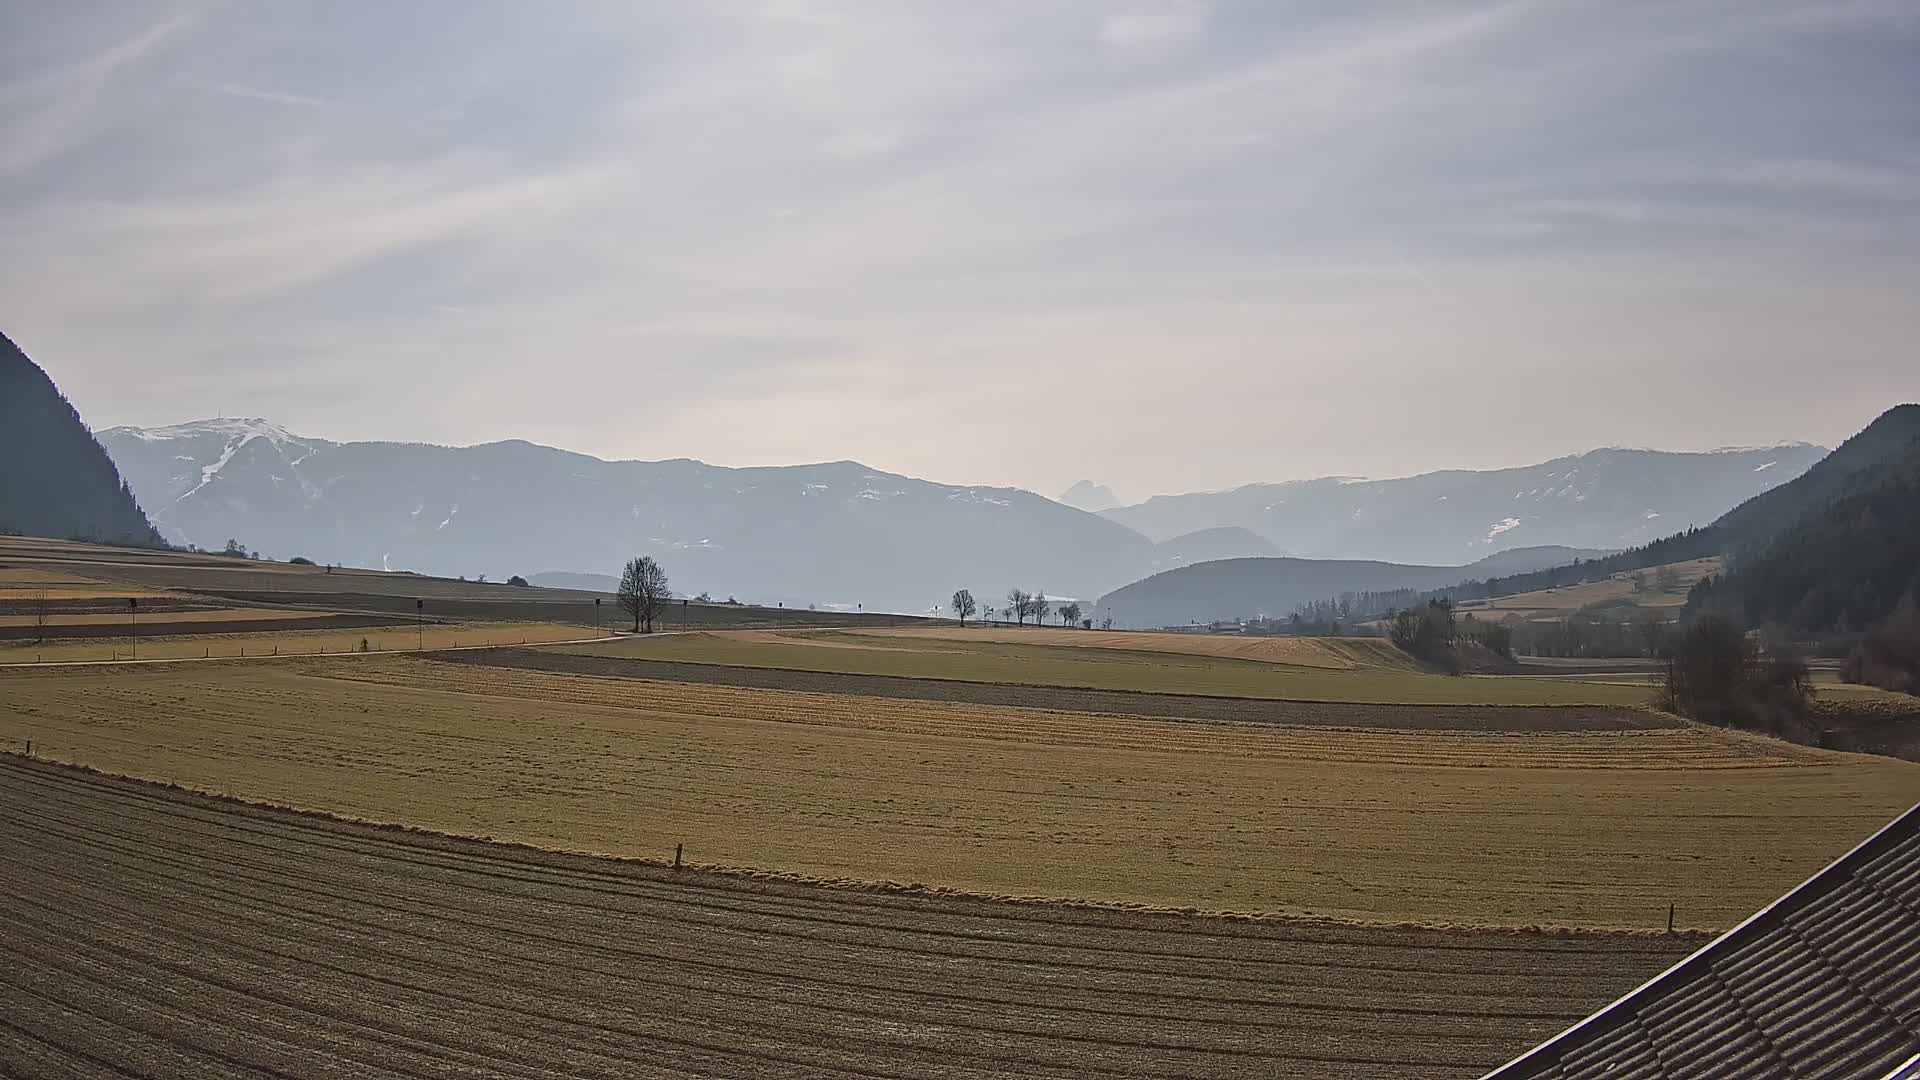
point(55, 480)
point(1839, 567)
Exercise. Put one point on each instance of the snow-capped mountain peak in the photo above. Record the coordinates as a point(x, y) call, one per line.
point(235, 428)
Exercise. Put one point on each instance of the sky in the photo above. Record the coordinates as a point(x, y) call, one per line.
point(1164, 246)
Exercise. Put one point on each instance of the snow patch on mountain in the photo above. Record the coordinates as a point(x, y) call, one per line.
point(1503, 525)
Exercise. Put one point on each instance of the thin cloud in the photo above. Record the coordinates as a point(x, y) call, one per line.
point(1154, 28)
point(806, 232)
point(276, 97)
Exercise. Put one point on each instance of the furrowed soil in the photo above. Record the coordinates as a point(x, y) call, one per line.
point(1336, 654)
point(937, 655)
point(153, 933)
point(1584, 829)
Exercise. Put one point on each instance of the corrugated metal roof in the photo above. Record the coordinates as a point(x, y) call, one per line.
point(1824, 983)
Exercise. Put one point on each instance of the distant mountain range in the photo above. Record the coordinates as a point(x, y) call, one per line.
point(833, 533)
point(55, 480)
point(846, 533)
point(1089, 496)
point(1608, 499)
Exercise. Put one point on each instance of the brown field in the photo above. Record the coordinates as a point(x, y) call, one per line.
point(118, 619)
point(1276, 711)
point(135, 571)
point(153, 933)
point(1554, 603)
point(308, 636)
point(1337, 654)
point(1593, 829)
point(25, 583)
point(932, 655)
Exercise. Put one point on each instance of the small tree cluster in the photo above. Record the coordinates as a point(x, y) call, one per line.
point(1889, 655)
point(1713, 672)
point(643, 591)
point(1427, 633)
point(1023, 605)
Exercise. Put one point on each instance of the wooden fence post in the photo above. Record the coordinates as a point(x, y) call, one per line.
point(1669, 918)
point(676, 855)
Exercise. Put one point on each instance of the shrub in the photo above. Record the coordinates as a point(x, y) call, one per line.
point(1889, 655)
point(1714, 673)
point(1427, 633)
point(518, 581)
point(300, 560)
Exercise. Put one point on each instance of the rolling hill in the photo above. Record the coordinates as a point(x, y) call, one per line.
point(1226, 589)
point(55, 480)
point(1606, 499)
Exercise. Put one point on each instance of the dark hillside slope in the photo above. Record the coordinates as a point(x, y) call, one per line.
point(55, 480)
point(1841, 566)
point(1857, 463)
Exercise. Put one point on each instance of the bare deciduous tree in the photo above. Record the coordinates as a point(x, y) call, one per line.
point(1020, 604)
point(964, 605)
point(1070, 614)
point(643, 591)
point(1040, 608)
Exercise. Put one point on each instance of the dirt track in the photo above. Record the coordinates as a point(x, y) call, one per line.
point(153, 933)
point(1120, 702)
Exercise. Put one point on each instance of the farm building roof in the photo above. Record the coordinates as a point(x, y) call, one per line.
point(1825, 982)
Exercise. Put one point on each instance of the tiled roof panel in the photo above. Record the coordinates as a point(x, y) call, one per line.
point(1822, 985)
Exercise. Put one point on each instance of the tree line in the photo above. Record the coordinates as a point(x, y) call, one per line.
point(1021, 606)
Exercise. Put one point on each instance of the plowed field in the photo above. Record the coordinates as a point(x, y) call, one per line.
point(1337, 654)
point(1589, 829)
point(1148, 666)
point(155, 934)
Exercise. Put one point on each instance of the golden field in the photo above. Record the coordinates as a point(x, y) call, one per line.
point(1592, 829)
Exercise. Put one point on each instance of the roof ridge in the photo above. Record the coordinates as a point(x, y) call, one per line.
point(1752, 930)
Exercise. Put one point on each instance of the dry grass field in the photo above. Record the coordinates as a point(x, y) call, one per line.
point(1554, 603)
point(304, 637)
point(1591, 829)
point(1156, 663)
point(55, 622)
point(152, 933)
point(1333, 654)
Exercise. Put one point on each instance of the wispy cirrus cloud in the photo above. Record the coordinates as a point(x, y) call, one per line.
point(818, 230)
point(276, 97)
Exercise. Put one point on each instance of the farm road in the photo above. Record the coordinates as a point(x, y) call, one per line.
point(146, 932)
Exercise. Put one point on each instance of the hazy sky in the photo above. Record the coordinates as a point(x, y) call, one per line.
point(1165, 246)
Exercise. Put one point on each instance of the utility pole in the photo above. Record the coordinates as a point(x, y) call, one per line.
point(133, 614)
point(596, 616)
point(420, 623)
